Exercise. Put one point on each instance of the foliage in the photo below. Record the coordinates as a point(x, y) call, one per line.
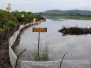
point(14, 18)
point(11, 24)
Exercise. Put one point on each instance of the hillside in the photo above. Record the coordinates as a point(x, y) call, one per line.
point(84, 12)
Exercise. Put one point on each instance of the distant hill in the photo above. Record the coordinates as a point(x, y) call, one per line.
point(84, 12)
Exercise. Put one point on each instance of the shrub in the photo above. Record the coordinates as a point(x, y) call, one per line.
point(1, 30)
point(11, 24)
point(43, 56)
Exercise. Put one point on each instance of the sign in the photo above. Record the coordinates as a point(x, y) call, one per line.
point(39, 30)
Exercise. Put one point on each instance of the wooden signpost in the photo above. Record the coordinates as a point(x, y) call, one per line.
point(39, 30)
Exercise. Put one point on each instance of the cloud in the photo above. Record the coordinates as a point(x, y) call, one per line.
point(43, 5)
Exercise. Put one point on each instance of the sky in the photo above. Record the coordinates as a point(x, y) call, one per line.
point(43, 5)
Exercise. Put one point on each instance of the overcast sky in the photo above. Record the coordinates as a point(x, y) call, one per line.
point(43, 5)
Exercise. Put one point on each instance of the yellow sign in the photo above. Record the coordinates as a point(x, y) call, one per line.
point(39, 30)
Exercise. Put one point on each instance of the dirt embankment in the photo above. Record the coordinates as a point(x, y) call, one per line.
point(75, 31)
point(4, 48)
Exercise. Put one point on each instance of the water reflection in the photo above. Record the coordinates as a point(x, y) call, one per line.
point(77, 47)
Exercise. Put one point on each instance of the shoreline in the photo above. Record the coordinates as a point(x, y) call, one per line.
point(69, 17)
point(4, 44)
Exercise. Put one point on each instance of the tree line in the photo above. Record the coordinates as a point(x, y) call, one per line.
point(69, 14)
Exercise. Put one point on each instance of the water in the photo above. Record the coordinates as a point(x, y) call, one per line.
point(77, 47)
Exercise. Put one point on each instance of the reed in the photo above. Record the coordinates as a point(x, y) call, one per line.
point(43, 55)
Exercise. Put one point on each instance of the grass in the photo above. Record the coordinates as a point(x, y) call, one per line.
point(43, 54)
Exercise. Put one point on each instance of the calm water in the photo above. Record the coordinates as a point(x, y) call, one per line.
point(77, 47)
